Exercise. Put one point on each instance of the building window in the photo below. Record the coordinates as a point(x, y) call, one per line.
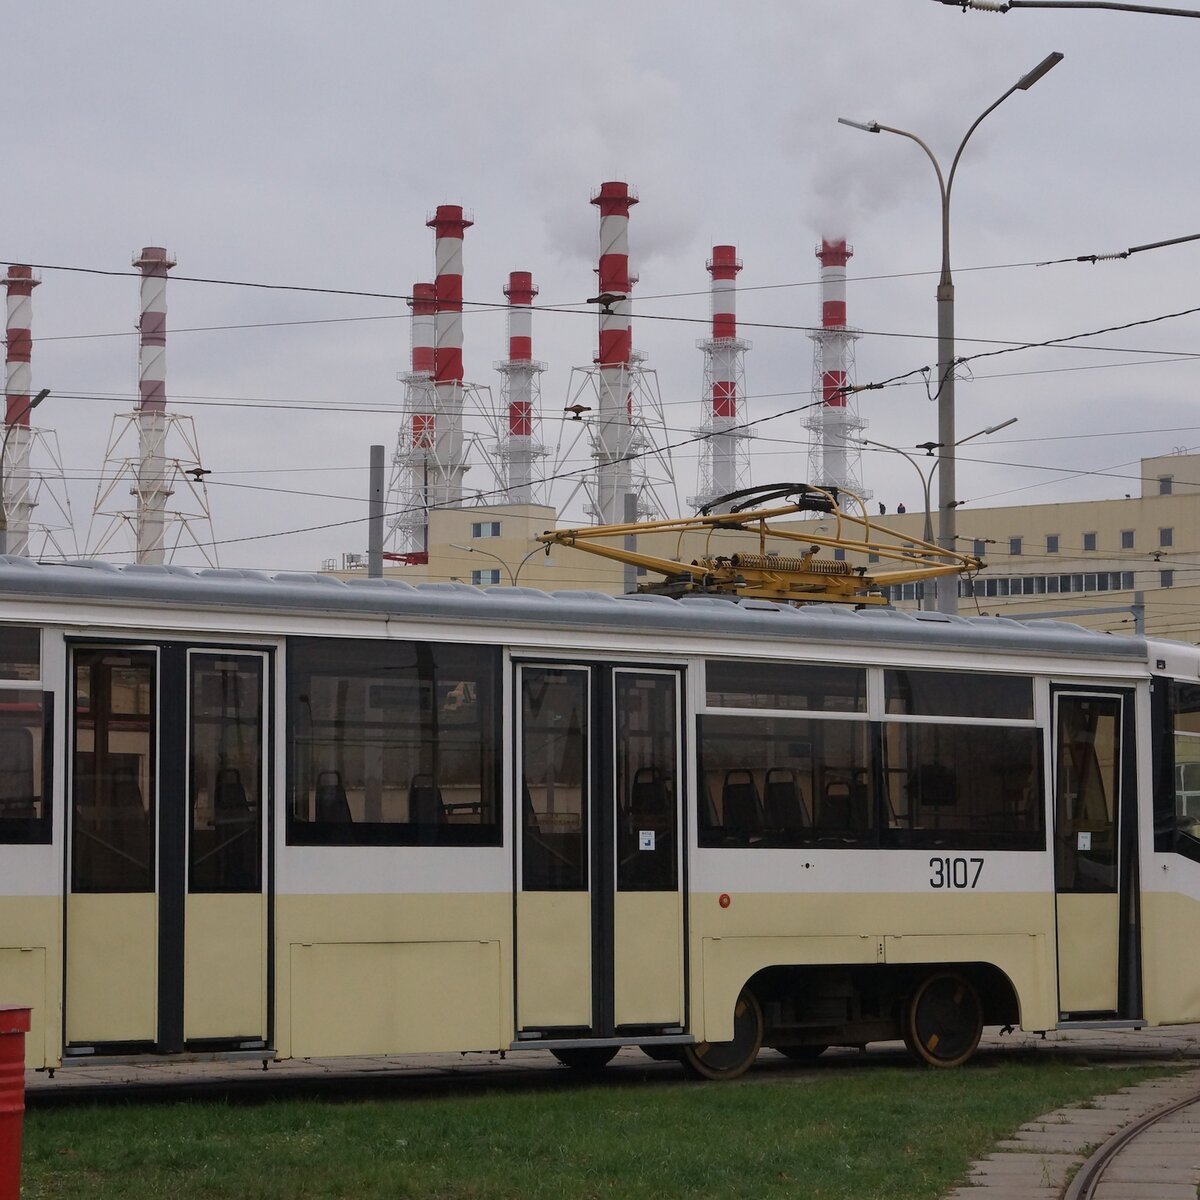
point(1126, 539)
point(1164, 484)
point(872, 558)
point(839, 553)
point(1166, 579)
point(1014, 545)
point(1166, 537)
point(485, 576)
point(1089, 541)
point(1127, 580)
point(485, 529)
point(1052, 543)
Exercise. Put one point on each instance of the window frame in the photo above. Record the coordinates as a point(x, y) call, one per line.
point(431, 834)
point(881, 830)
point(36, 830)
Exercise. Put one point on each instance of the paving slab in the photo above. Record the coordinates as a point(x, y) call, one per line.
point(1044, 1154)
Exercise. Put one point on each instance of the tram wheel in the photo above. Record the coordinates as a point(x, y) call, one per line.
point(728, 1060)
point(801, 1053)
point(943, 1020)
point(586, 1059)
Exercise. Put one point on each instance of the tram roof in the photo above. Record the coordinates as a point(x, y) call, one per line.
point(91, 581)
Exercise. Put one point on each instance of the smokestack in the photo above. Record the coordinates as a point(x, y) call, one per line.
point(834, 460)
point(424, 339)
point(17, 499)
point(612, 428)
point(518, 450)
point(448, 224)
point(724, 267)
point(833, 257)
point(724, 465)
point(152, 489)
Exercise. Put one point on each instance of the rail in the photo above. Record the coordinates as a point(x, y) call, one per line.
point(1087, 1181)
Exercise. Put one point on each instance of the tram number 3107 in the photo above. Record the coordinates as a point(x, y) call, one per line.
point(960, 873)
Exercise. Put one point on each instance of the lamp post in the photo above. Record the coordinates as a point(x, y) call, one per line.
point(947, 531)
point(926, 477)
point(33, 403)
point(513, 576)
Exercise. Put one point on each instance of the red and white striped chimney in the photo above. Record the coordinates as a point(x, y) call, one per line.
point(18, 499)
point(834, 458)
point(612, 428)
point(448, 466)
point(152, 488)
point(833, 257)
point(424, 339)
point(724, 267)
point(518, 449)
point(520, 292)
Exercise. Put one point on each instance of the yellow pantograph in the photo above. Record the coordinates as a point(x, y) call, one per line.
point(763, 568)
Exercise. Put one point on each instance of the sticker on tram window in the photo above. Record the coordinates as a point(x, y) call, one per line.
point(955, 873)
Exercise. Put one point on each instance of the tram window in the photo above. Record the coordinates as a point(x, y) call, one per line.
point(958, 694)
point(392, 743)
point(646, 719)
point(974, 787)
point(225, 771)
point(114, 775)
point(20, 653)
point(24, 767)
point(554, 784)
point(784, 781)
point(809, 687)
point(1185, 756)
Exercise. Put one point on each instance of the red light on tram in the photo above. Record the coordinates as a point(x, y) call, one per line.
point(724, 900)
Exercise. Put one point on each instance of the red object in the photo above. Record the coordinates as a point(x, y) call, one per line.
point(724, 900)
point(14, 1025)
point(724, 267)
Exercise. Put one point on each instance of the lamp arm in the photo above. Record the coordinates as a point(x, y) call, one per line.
point(967, 136)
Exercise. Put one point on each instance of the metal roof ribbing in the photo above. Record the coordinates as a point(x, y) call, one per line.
point(301, 592)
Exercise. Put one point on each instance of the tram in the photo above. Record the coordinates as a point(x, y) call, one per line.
point(291, 816)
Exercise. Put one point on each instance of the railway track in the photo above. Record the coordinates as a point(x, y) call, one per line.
point(1087, 1182)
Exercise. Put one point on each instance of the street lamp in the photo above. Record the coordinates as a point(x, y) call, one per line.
point(947, 532)
point(513, 576)
point(33, 403)
point(926, 477)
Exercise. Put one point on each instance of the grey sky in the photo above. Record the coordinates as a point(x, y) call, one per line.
point(307, 142)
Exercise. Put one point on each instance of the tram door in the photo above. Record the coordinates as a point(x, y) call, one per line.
point(166, 914)
point(600, 910)
point(1095, 854)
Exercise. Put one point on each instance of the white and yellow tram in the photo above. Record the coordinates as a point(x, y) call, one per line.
point(286, 816)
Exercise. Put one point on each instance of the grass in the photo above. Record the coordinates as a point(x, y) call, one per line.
point(892, 1133)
